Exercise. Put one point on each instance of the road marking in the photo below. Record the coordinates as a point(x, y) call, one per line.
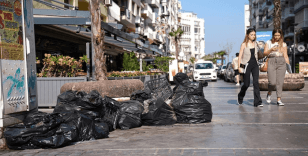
point(201, 149)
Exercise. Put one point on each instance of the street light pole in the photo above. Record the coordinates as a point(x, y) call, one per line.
point(293, 57)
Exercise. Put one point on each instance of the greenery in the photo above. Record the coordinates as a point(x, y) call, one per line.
point(162, 63)
point(297, 68)
point(192, 60)
point(130, 62)
point(176, 35)
point(61, 66)
point(129, 74)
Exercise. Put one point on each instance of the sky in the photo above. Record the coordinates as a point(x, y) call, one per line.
point(224, 22)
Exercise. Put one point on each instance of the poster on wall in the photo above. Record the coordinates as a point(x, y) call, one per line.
point(303, 68)
point(11, 31)
point(262, 37)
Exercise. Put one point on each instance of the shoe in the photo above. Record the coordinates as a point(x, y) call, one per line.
point(279, 103)
point(237, 84)
point(268, 98)
point(239, 102)
point(260, 105)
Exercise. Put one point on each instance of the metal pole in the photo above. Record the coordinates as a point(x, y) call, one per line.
point(88, 57)
point(140, 58)
point(293, 57)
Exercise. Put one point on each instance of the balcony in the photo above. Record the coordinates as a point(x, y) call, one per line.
point(264, 6)
point(139, 30)
point(153, 21)
point(271, 9)
point(289, 13)
point(114, 11)
point(266, 19)
point(303, 24)
point(299, 4)
point(153, 3)
point(179, 5)
point(147, 12)
point(289, 32)
point(139, 21)
point(259, 12)
point(259, 25)
point(148, 32)
point(127, 18)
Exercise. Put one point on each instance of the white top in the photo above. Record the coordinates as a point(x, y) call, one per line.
point(271, 45)
point(235, 63)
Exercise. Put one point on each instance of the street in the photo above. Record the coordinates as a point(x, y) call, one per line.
point(234, 130)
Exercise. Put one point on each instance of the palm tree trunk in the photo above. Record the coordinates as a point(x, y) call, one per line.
point(98, 41)
point(176, 49)
point(277, 14)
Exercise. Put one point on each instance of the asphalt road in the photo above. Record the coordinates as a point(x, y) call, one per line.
point(235, 130)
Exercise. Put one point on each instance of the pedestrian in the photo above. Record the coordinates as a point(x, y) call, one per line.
point(248, 60)
point(235, 67)
point(276, 50)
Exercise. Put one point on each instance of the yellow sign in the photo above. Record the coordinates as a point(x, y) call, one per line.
point(11, 32)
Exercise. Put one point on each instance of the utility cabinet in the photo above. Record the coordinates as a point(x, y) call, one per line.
point(17, 61)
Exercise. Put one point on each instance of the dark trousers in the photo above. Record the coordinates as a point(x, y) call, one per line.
point(254, 70)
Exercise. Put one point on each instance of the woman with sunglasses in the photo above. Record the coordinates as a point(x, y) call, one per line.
point(248, 60)
point(276, 50)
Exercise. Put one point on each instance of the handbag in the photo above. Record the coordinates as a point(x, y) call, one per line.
point(260, 53)
point(264, 66)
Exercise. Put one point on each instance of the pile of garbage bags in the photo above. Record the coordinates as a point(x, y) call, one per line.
point(79, 116)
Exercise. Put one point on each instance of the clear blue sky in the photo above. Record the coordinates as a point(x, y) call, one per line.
point(223, 20)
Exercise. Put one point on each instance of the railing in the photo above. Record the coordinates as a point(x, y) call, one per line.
point(302, 24)
point(300, 3)
point(264, 5)
point(289, 12)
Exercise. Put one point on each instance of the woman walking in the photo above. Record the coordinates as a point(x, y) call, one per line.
point(248, 59)
point(276, 50)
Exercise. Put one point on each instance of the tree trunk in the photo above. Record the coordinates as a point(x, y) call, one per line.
point(98, 41)
point(176, 49)
point(277, 14)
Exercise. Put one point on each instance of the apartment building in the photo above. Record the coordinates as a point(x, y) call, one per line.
point(192, 41)
point(141, 26)
point(294, 22)
point(246, 17)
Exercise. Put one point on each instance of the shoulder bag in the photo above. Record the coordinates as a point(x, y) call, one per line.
point(260, 53)
point(264, 65)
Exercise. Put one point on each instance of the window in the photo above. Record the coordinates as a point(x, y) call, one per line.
point(133, 8)
point(204, 66)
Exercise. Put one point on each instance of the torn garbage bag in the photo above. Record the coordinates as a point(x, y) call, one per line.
point(190, 105)
point(130, 114)
point(141, 95)
point(159, 113)
point(55, 130)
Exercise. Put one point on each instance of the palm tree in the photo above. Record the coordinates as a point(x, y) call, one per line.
point(176, 35)
point(98, 35)
point(222, 54)
point(277, 14)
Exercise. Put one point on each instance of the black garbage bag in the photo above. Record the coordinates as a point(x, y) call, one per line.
point(88, 104)
point(159, 113)
point(141, 95)
point(55, 130)
point(190, 105)
point(130, 114)
point(112, 112)
point(34, 118)
point(179, 78)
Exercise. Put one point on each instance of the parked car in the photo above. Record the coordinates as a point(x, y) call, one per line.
point(229, 74)
point(204, 70)
point(222, 70)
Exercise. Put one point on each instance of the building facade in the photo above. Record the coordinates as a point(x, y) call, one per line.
point(294, 23)
point(192, 42)
point(246, 17)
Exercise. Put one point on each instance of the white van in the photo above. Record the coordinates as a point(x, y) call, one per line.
point(204, 70)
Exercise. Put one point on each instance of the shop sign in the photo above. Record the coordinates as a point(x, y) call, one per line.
point(303, 68)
